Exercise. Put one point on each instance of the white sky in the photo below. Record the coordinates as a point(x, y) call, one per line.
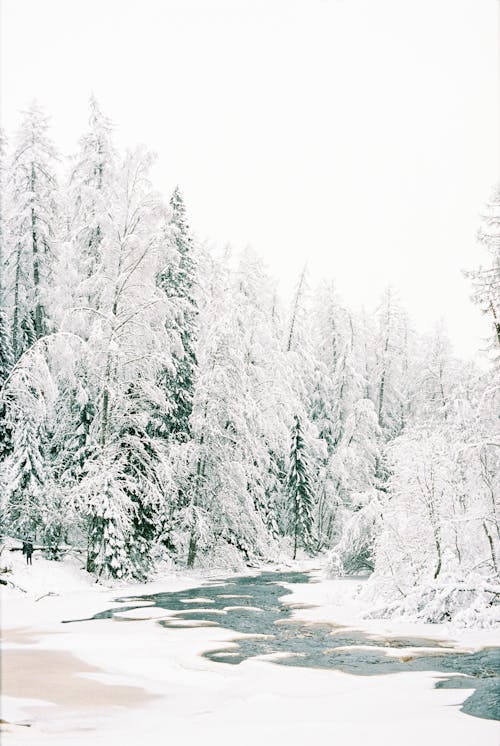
point(360, 135)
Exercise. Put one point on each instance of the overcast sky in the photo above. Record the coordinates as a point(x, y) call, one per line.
point(359, 135)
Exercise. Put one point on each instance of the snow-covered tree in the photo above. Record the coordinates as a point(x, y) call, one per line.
point(486, 280)
point(338, 379)
point(25, 398)
point(6, 363)
point(6, 354)
point(227, 443)
point(23, 508)
point(300, 491)
point(31, 224)
point(127, 345)
point(389, 377)
point(92, 189)
point(177, 279)
point(437, 378)
point(109, 516)
point(354, 472)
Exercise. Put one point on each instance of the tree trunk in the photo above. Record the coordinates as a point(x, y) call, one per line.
point(437, 542)
point(381, 398)
point(193, 546)
point(296, 529)
point(105, 410)
point(295, 310)
point(36, 277)
point(496, 321)
point(90, 563)
point(15, 321)
point(36, 264)
point(492, 547)
point(384, 371)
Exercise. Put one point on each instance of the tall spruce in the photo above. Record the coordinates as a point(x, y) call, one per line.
point(300, 491)
point(92, 189)
point(31, 225)
point(177, 279)
point(27, 396)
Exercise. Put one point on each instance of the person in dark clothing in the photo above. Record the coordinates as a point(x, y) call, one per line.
point(28, 551)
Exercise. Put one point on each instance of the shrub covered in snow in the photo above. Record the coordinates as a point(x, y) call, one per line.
point(467, 602)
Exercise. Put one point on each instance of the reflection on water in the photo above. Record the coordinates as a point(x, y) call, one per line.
point(253, 605)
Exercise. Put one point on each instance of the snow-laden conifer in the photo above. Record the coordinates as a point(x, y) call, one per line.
point(177, 278)
point(31, 223)
point(300, 491)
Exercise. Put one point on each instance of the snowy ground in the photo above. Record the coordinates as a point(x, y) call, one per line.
point(120, 680)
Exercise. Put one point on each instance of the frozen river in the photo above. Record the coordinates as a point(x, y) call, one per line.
point(255, 607)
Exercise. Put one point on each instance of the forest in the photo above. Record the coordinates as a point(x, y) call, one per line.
point(160, 403)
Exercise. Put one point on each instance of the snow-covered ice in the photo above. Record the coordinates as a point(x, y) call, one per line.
point(172, 692)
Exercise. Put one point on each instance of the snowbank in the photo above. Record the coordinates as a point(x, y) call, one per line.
point(345, 601)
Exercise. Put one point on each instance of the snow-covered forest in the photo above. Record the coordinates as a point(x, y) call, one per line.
point(159, 401)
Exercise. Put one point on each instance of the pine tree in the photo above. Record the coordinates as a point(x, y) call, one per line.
point(27, 475)
point(177, 279)
point(299, 489)
point(31, 226)
point(92, 189)
point(107, 512)
point(27, 396)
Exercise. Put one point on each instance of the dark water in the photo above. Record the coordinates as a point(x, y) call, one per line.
point(258, 610)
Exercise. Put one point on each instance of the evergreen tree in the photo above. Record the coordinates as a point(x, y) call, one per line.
point(23, 508)
point(31, 225)
point(108, 515)
point(27, 397)
point(92, 189)
point(177, 279)
point(299, 489)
